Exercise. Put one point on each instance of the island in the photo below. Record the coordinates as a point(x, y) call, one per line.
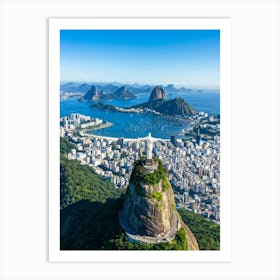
point(95, 94)
point(157, 104)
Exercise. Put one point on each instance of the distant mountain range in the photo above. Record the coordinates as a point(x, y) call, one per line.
point(123, 93)
point(120, 93)
point(74, 87)
point(157, 101)
point(110, 88)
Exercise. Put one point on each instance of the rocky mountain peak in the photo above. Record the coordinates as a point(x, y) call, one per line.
point(149, 211)
point(123, 93)
point(149, 214)
point(92, 94)
point(157, 94)
point(176, 106)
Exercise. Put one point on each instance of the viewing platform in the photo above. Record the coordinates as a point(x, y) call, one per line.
point(150, 165)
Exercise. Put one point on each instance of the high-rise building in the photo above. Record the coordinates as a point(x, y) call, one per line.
point(173, 140)
point(198, 137)
point(120, 142)
point(185, 196)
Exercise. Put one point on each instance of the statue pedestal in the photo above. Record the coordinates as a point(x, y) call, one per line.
point(150, 165)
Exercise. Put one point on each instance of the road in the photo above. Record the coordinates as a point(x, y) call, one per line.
point(164, 237)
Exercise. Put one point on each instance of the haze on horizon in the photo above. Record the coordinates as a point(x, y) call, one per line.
point(189, 58)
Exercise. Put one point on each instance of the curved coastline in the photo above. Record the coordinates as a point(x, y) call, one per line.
point(84, 132)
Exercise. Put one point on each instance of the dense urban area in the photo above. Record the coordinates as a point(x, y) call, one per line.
point(192, 161)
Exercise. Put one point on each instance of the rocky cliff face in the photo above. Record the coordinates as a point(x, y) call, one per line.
point(157, 94)
point(146, 215)
point(149, 206)
point(176, 106)
point(173, 107)
point(149, 214)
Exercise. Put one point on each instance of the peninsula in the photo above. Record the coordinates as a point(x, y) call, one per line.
point(157, 104)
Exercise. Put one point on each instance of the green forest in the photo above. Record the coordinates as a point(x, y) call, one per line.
point(89, 214)
point(207, 233)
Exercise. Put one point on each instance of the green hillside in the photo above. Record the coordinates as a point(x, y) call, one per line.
point(89, 214)
point(65, 146)
point(80, 182)
point(207, 233)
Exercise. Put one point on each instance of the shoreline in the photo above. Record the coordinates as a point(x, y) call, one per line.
point(127, 110)
point(104, 125)
point(84, 132)
point(116, 138)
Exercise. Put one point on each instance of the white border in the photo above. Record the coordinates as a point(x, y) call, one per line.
point(55, 25)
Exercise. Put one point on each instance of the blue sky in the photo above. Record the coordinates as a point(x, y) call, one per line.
point(182, 57)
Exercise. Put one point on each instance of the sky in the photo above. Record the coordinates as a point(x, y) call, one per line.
point(188, 58)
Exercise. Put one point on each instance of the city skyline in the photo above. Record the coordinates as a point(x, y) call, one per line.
point(182, 57)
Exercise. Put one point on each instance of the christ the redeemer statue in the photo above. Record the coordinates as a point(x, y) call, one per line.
point(149, 147)
point(149, 140)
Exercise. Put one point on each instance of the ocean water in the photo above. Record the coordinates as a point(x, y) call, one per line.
point(133, 125)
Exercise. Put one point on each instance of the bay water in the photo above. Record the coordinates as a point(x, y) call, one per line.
point(133, 125)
